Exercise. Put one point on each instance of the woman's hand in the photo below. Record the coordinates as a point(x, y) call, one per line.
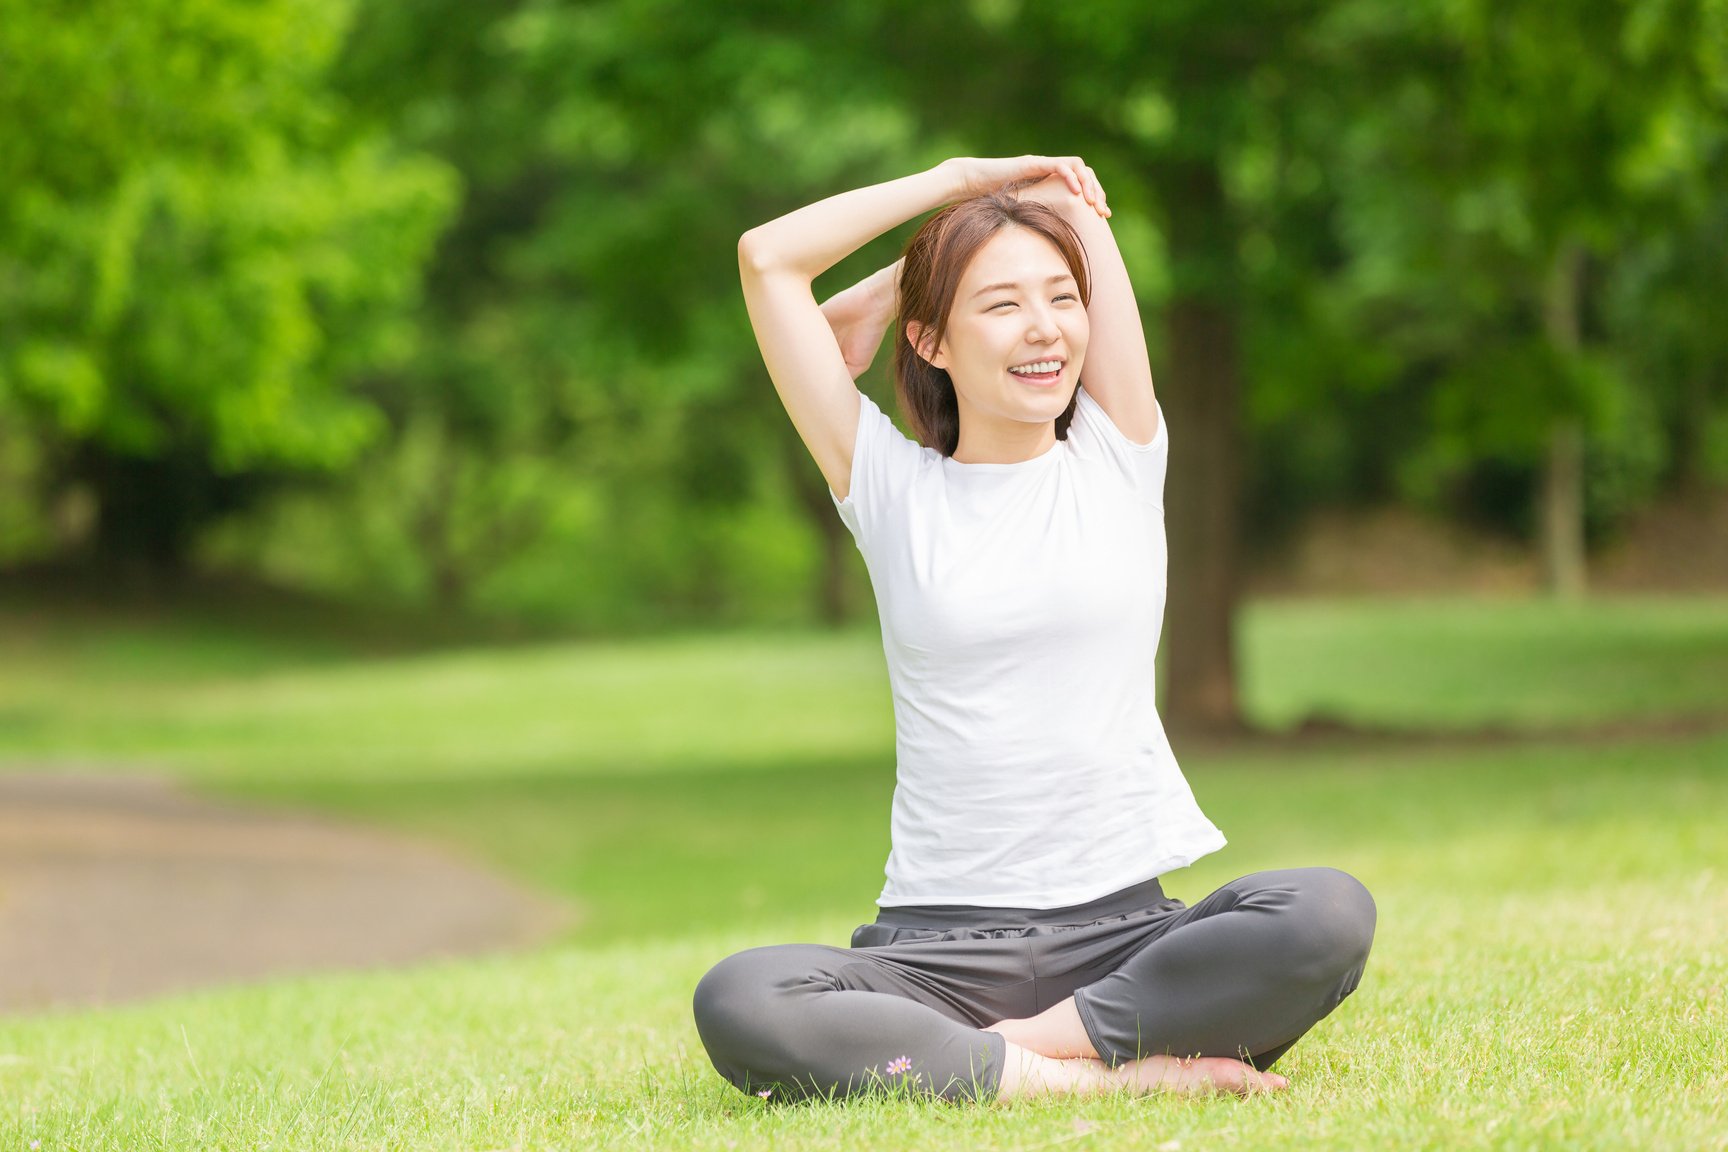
point(979, 177)
point(1054, 192)
point(860, 315)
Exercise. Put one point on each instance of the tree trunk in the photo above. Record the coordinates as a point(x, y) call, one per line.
point(1201, 393)
point(1563, 562)
point(1563, 511)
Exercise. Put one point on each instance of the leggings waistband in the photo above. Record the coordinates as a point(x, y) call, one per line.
point(1134, 898)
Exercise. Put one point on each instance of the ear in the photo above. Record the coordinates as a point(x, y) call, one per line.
point(923, 341)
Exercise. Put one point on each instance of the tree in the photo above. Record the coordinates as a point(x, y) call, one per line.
point(1663, 295)
point(1485, 204)
point(584, 310)
point(196, 259)
point(1163, 99)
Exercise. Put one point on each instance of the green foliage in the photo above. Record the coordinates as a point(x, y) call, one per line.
point(221, 308)
point(1467, 152)
point(584, 317)
point(1661, 311)
point(474, 263)
point(199, 255)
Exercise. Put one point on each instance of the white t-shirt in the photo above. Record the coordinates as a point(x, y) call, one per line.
point(1021, 606)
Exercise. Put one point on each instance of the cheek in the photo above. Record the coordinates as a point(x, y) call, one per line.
point(1079, 332)
point(972, 343)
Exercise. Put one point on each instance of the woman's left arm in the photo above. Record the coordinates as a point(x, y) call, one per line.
point(1117, 372)
point(860, 316)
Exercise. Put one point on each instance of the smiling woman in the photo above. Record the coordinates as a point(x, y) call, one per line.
point(989, 285)
point(1024, 945)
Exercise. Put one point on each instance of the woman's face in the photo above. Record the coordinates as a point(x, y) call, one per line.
point(1017, 332)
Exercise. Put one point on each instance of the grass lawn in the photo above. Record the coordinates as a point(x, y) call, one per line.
point(1550, 969)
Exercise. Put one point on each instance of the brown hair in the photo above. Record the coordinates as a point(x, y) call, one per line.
point(930, 272)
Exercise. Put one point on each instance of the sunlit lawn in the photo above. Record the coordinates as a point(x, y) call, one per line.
point(221, 703)
point(1463, 663)
point(1549, 971)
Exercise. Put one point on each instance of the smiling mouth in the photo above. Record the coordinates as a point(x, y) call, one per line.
point(1041, 372)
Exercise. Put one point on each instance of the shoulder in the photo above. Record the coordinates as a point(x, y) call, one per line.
point(1094, 436)
point(885, 465)
point(1094, 422)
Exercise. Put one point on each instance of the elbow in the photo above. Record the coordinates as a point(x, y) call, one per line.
point(755, 256)
point(760, 258)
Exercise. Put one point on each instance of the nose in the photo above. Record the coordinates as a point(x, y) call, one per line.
point(1040, 325)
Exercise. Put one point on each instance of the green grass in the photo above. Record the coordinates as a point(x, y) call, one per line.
point(1549, 972)
point(216, 703)
point(699, 703)
point(1463, 663)
point(1550, 968)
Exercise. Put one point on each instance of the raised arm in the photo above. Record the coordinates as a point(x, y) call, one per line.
point(1117, 372)
point(859, 315)
point(778, 261)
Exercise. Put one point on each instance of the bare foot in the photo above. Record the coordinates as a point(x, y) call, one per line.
point(1196, 1075)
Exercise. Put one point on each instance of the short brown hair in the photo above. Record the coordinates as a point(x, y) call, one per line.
point(935, 259)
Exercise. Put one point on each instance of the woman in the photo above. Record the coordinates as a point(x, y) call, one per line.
point(1023, 944)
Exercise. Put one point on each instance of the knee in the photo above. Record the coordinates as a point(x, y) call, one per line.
point(1335, 918)
point(729, 1002)
point(747, 1013)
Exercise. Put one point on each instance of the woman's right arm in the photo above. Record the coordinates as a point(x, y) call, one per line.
point(778, 262)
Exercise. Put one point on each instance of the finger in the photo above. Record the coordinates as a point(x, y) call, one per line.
point(1103, 201)
point(1081, 172)
point(1087, 180)
point(1065, 167)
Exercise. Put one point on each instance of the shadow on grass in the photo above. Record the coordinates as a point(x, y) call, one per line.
point(219, 623)
point(1327, 731)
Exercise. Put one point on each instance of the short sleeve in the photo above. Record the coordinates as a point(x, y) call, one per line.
point(884, 465)
point(1092, 435)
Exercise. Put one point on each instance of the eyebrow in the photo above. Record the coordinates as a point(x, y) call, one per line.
point(1012, 285)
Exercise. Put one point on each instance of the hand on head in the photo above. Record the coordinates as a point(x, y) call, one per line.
point(1038, 175)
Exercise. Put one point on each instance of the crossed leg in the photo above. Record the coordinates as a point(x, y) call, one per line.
point(1244, 973)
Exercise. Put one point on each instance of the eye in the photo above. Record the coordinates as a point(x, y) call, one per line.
point(1068, 296)
point(1000, 304)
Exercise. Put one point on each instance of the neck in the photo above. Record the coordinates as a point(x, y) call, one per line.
point(1003, 442)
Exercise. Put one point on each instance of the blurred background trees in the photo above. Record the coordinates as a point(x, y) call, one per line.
point(436, 302)
point(201, 257)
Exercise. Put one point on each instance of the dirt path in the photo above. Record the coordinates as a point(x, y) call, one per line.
point(119, 887)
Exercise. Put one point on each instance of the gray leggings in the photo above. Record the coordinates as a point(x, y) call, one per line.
point(1243, 973)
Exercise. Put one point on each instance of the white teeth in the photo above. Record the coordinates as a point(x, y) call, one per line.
point(1037, 369)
